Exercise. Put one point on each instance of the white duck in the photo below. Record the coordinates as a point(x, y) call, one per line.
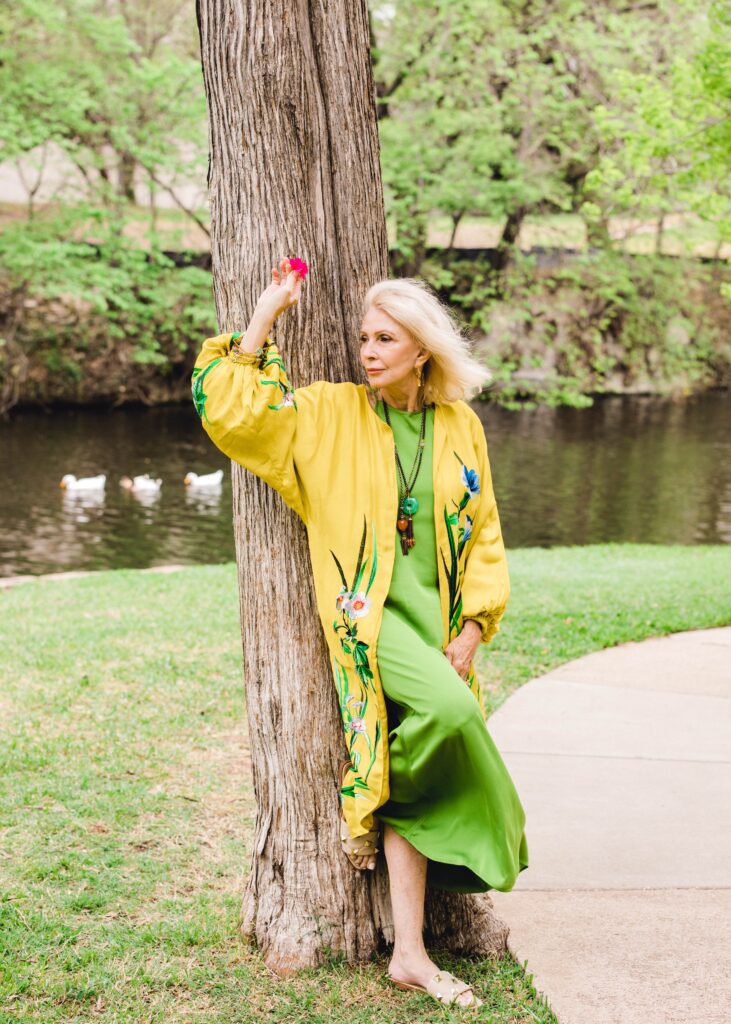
point(207, 480)
point(85, 483)
point(141, 484)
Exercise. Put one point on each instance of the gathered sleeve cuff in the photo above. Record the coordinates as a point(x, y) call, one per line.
point(486, 583)
point(249, 410)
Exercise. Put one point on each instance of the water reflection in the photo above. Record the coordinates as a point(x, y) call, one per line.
point(204, 501)
point(148, 502)
point(636, 469)
point(629, 469)
point(79, 506)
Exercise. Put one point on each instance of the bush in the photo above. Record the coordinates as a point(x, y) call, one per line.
point(601, 322)
point(66, 304)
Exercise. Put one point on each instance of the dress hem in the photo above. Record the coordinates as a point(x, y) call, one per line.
point(457, 862)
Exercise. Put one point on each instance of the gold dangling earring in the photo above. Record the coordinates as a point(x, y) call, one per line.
point(370, 389)
point(419, 383)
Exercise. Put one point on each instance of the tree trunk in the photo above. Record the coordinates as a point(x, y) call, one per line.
point(126, 170)
point(508, 240)
point(294, 169)
point(659, 232)
point(412, 227)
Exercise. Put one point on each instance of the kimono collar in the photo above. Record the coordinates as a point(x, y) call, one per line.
point(441, 413)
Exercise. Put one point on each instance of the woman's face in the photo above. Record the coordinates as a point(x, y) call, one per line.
point(389, 354)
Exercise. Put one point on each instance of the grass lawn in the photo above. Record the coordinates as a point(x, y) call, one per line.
point(125, 798)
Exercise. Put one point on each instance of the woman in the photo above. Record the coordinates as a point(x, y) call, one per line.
point(393, 482)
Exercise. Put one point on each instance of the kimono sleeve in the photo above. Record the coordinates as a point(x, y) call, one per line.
point(486, 582)
point(249, 410)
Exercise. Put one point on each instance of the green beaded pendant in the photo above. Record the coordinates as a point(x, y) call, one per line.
point(410, 506)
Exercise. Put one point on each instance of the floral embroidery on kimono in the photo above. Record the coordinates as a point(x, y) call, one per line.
point(353, 603)
point(307, 452)
point(199, 398)
point(265, 360)
point(470, 480)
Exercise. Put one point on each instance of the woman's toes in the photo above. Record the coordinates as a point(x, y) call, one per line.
point(467, 999)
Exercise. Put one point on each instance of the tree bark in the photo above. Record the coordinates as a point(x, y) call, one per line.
point(294, 170)
point(511, 230)
point(126, 167)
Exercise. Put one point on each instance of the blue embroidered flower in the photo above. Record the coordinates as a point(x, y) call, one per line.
point(467, 529)
point(471, 480)
point(454, 567)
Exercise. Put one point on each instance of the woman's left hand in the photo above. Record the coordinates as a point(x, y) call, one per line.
point(461, 650)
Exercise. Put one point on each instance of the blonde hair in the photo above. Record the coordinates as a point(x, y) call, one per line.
point(451, 372)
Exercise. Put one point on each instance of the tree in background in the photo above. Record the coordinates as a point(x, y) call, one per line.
point(487, 107)
point(666, 144)
point(116, 87)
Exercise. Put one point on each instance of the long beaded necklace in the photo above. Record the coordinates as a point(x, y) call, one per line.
point(408, 505)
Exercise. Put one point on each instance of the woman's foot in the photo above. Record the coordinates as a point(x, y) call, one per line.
point(361, 852)
point(367, 860)
point(363, 863)
point(419, 970)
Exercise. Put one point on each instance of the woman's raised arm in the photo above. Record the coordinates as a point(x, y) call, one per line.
point(242, 393)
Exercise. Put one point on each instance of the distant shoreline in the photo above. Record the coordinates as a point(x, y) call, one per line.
point(75, 574)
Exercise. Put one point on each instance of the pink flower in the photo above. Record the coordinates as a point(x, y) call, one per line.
point(300, 265)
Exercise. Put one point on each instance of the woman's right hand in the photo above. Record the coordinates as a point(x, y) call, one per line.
point(283, 292)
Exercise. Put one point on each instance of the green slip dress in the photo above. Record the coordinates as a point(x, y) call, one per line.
point(451, 795)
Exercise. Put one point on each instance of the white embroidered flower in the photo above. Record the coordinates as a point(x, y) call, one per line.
point(358, 605)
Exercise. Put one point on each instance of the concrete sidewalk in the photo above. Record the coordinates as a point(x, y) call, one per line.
point(622, 760)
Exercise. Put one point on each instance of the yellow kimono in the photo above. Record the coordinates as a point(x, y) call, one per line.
point(323, 442)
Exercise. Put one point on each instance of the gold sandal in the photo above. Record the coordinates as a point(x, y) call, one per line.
point(361, 846)
point(443, 987)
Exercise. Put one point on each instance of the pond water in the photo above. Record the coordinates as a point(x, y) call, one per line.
point(628, 469)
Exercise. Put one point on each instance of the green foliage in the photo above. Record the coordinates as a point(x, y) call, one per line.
point(493, 108)
point(115, 90)
point(665, 144)
point(604, 321)
point(108, 293)
point(485, 108)
point(118, 91)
